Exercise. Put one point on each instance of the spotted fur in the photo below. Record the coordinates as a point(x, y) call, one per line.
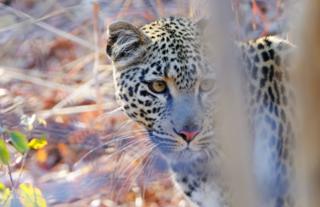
point(267, 78)
point(171, 50)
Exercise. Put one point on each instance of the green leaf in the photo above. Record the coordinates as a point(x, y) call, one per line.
point(19, 141)
point(4, 153)
point(31, 196)
point(2, 187)
point(5, 196)
point(36, 143)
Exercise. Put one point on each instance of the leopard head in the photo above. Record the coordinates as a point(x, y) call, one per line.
point(164, 81)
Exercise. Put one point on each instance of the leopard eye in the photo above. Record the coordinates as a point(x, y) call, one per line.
point(157, 86)
point(207, 85)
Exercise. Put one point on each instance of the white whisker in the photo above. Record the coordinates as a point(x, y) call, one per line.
point(140, 155)
point(107, 143)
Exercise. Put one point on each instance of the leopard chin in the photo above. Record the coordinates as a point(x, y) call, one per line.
point(189, 156)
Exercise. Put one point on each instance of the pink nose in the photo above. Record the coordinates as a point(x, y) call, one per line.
point(188, 135)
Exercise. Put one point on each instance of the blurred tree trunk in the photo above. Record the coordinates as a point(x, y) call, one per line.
point(307, 82)
point(230, 118)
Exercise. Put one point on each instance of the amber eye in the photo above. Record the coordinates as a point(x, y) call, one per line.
point(157, 86)
point(207, 85)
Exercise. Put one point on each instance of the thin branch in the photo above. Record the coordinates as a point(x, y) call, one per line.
point(52, 29)
point(19, 75)
point(73, 110)
point(33, 21)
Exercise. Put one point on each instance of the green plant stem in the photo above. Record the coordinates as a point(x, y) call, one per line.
point(10, 176)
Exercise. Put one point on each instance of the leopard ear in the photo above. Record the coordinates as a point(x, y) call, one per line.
point(126, 44)
point(286, 51)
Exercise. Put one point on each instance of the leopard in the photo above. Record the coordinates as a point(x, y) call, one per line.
point(165, 80)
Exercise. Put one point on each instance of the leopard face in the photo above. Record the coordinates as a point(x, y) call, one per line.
point(163, 81)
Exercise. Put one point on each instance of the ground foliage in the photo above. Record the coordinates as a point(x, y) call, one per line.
point(56, 82)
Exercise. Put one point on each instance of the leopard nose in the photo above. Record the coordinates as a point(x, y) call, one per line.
point(188, 136)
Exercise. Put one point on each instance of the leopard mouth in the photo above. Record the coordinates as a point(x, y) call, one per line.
point(173, 151)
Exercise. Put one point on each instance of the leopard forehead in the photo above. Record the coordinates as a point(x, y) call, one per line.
point(175, 51)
